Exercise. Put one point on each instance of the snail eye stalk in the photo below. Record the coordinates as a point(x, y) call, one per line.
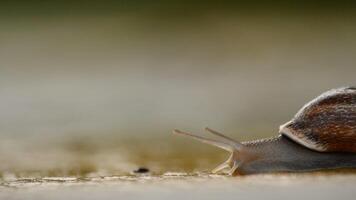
point(228, 144)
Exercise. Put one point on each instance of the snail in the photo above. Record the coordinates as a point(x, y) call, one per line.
point(322, 135)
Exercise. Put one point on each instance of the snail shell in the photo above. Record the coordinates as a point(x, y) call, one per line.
point(327, 123)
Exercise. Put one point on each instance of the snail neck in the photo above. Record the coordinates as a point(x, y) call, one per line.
point(282, 154)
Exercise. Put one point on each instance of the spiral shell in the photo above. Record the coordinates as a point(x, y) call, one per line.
point(327, 123)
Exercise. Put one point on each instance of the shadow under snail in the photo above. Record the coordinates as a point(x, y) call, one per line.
point(322, 135)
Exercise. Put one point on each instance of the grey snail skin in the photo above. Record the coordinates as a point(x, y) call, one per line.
point(322, 135)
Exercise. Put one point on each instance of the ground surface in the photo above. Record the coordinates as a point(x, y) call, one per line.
point(185, 186)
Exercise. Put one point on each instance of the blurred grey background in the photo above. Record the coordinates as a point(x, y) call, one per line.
point(103, 83)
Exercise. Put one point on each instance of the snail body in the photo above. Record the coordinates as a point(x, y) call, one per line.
point(322, 135)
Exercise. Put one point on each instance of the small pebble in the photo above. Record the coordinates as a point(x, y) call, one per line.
point(141, 170)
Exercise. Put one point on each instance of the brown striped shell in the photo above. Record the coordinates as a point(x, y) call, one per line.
point(327, 123)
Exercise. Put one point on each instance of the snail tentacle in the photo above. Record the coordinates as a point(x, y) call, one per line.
point(234, 167)
point(230, 145)
point(220, 167)
point(222, 145)
point(231, 141)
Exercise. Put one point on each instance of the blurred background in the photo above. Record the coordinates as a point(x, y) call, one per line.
point(93, 88)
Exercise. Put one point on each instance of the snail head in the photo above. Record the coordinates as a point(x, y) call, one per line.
point(238, 153)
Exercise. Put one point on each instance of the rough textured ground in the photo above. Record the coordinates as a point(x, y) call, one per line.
point(185, 186)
